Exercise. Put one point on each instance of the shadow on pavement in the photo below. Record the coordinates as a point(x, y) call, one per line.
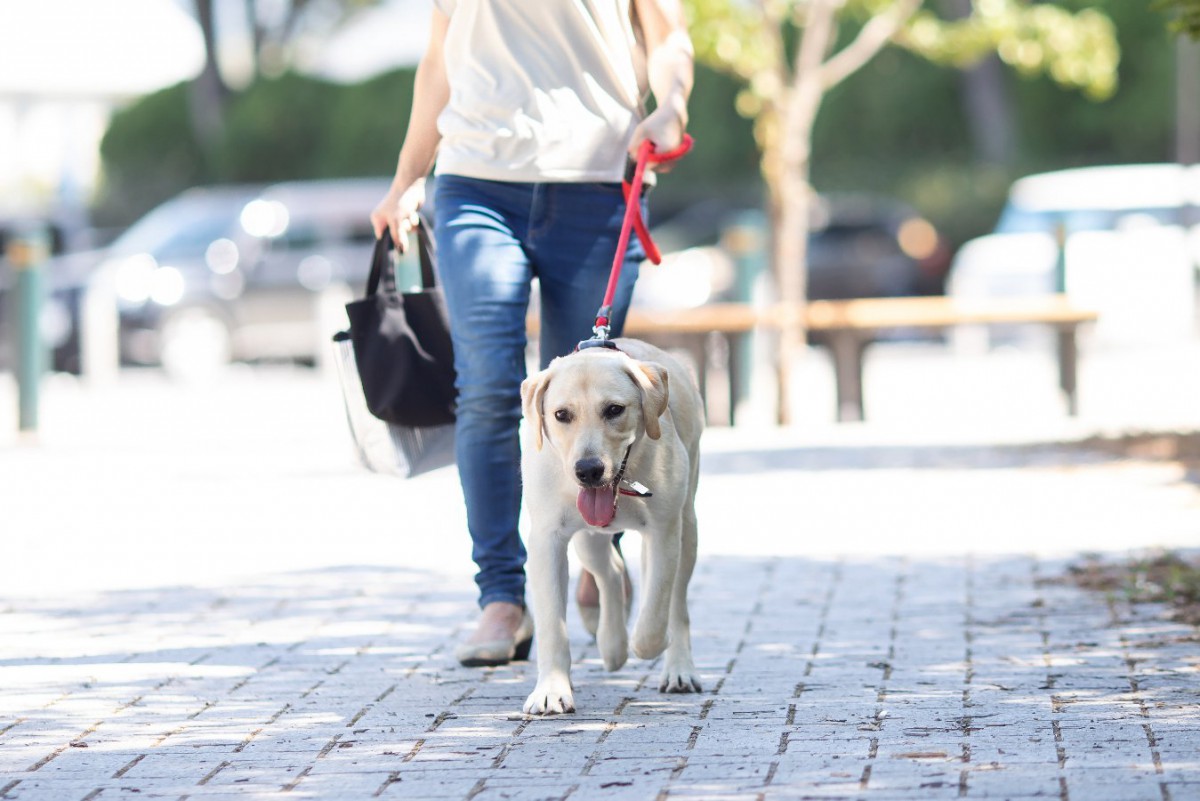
point(896, 677)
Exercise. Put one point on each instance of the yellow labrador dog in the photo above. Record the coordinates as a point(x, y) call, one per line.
point(611, 443)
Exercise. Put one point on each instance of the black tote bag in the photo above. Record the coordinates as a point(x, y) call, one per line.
point(401, 342)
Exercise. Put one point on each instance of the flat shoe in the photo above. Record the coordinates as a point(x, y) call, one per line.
point(494, 653)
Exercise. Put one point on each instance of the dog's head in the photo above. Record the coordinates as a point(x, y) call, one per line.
point(591, 407)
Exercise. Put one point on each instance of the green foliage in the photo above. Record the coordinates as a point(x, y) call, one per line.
point(297, 127)
point(1077, 49)
point(1185, 15)
point(290, 127)
point(1060, 129)
point(293, 127)
point(149, 153)
point(729, 36)
point(275, 130)
point(369, 121)
point(1163, 577)
point(724, 154)
point(898, 126)
point(895, 127)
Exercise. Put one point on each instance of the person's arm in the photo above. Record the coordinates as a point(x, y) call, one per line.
point(431, 92)
point(669, 66)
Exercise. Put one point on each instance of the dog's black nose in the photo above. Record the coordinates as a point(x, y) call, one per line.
point(589, 471)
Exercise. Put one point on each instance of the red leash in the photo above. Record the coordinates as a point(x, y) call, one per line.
point(632, 189)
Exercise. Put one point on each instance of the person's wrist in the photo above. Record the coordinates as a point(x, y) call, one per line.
point(676, 106)
point(403, 183)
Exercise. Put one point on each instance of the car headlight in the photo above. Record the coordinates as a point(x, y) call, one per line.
point(917, 238)
point(167, 286)
point(134, 278)
point(221, 256)
point(264, 218)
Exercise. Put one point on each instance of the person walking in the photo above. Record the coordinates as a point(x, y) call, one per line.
point(529, 110)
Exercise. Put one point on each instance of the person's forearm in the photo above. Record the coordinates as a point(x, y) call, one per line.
point(431, 92)
point(669, 54)
point(670, 73)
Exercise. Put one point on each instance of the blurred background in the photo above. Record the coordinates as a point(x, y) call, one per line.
point(185, 184)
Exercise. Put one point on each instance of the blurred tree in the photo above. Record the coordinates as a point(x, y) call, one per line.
point(1186, 20)
point(274, 28)
point(149, 152)
point(1186, 15)
point(986, 101)
point(790, 53)
point(283, 128)
point(209, 93)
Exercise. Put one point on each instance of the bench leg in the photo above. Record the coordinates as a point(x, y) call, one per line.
point(735, 359)
point(1068, 363)
point(847, 349)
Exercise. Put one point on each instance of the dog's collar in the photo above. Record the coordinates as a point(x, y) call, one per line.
point(636, 488)
point(597, 342)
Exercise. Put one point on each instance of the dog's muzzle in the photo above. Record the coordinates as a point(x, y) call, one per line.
point(597, 501)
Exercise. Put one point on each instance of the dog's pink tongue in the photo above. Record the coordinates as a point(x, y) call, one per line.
point(596, 505)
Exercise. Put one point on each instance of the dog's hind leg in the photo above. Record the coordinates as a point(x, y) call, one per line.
point(679, 671)
point(547, 565)
point(601, 559)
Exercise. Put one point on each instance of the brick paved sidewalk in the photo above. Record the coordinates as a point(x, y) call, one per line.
point(138, 660)
point(877, 679)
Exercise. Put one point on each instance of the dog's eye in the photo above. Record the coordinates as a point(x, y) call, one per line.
point(562, 416)
point(613, 411)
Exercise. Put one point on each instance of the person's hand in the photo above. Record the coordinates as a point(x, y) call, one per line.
point(664, 127)
point(398, 212)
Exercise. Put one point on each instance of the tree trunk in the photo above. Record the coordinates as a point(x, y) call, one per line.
point(792, 191)
point(257, 35)
point(789, 237)
point(208, 93)
point(1187, 101)
point(986, 103)
point(989, 112)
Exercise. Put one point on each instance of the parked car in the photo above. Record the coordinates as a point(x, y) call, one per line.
point(1130, 239)
point(867, 246)
point(232, 273)
point(859, 246)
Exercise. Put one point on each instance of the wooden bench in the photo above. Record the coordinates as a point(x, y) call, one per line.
point(849, 326)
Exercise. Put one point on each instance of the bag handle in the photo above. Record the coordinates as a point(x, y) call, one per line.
point(427, 250)
point(381, 266)
point(381, 261)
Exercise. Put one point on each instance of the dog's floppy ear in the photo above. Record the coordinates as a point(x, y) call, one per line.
point(533, 390)
point(651, 379)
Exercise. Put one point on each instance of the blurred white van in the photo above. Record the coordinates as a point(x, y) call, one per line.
point(1132, 248)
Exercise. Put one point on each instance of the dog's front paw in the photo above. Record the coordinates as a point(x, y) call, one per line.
point(551, 696)
point(679, 677)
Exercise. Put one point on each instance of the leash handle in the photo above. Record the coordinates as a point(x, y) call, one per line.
point(632, 190)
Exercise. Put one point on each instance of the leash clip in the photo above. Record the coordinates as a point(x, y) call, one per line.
point(600, 332)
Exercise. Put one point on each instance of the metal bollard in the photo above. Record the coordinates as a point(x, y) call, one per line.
point(1060, 261)
point(26, 253)
point(746, 241)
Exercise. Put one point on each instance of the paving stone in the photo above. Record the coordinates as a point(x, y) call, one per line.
point(950, 672)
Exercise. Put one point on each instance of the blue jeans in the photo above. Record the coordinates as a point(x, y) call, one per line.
point(493, 238)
